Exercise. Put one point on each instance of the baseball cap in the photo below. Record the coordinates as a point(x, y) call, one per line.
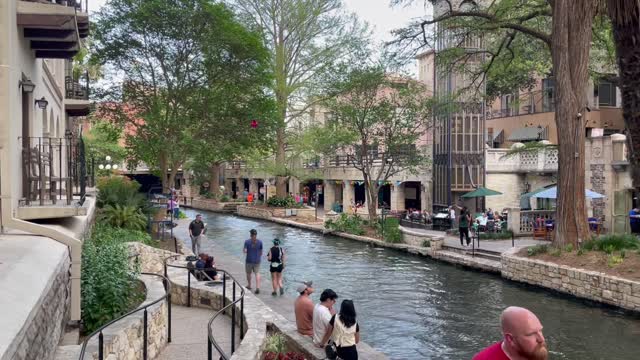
point(302, 287)
point(276, 241)
point(253, 232)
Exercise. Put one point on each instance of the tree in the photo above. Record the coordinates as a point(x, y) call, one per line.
point(306, 37)
point(374, 111)
point(625, 19)
point(170, 69)
point(103, 139)
point(564, 27)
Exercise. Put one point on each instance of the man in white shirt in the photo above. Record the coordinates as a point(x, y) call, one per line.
point(322, 314)
point(452, 216)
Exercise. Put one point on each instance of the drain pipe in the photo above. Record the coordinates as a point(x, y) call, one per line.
point(74, 245)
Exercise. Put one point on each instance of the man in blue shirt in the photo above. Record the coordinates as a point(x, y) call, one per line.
point(253, 249)
point(634, 220)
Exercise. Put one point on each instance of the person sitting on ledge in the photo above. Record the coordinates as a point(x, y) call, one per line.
point(523, 339)
point(303, 308)
point(206, 265)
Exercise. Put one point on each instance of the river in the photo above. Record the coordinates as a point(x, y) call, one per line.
point(412, 307)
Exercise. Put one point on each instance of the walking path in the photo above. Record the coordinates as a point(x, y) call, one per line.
point(189, 334)
point(498, 246)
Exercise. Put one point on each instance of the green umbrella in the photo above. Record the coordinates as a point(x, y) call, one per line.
point(481, 192)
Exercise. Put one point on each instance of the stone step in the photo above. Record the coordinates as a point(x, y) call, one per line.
point(479, 252)
point(71, 335)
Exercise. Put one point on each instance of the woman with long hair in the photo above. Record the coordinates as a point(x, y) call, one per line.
point(344, 330)
point(276, 257)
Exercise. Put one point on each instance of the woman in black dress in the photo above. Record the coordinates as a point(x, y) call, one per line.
point(276, 257)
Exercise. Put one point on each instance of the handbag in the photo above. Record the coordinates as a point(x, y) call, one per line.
point(330, 351)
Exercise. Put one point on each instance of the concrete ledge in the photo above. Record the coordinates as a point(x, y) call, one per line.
point(123, 340)
point(581, 283)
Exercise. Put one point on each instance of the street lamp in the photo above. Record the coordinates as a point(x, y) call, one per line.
point(108, 165)
point(42, 103)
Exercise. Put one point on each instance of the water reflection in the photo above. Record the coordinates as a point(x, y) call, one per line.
point(415, 308)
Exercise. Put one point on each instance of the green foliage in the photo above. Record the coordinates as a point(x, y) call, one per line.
point(351, 224)
point(225, 198)
point(580, 252)
point(104, 140)
point(392, 233)
point(568, 248)
point(611, 243)
point(506, 234)
point(104, 233)
point(537, 250)
point(283, 202)
point(119, 190)
point(426, 243)
point(555, 251)
point(181, 214)
point(276, 343)
point(614, 260)
point(109, 281)
point(127, 217)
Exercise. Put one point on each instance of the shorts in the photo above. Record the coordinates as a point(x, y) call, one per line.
point(252, 268)
point(277, 269)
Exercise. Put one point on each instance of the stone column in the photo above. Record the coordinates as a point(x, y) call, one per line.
point(347, 196)
point(513, 220)
point(397, 197)
point(425, 196)
point(329, 194)
point(253, 186)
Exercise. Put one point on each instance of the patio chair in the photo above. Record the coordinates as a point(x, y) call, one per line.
point(539, 229)
point(491, 226)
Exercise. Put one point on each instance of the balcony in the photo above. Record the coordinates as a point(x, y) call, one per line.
point(545, 161)
point(54, 27)
point(53, 178)
point(76, 102)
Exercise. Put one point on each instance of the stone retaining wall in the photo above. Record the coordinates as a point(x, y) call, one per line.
point(254, 212)
point(123, 339)
point(212, 205)
point(43, 330)
point(578, 282)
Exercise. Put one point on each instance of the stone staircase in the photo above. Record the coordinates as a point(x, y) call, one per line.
point(479, 252)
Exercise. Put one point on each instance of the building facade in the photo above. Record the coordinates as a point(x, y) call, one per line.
point(41, 165)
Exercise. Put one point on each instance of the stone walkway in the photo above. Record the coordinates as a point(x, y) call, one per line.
point(189, 334)
point(490, 245)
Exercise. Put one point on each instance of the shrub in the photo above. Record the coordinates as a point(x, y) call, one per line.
point(109, 282)
point(537, 249)
point(119, 190)
point(225, 198)
point(182, 214)
point(285, 202)
point(580, 252)
point(275, 349)
point(614, 242)
point(556, 251)
point(127, 217)
point(391, 231)
point(614, 260)
point(104, 234)
point(351, 224)
point(568, 248)
point(426, 243)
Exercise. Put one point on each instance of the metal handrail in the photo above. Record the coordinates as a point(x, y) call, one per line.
point(167, 296)
point(211, 342)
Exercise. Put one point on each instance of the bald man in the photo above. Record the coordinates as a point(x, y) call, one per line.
point(523, 339)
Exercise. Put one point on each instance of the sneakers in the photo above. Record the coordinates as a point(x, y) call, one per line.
point(257, 291)
point(281, 291)
point(274, 293)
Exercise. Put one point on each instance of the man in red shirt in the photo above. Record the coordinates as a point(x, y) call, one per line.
point(523, 339)
point(303, 307)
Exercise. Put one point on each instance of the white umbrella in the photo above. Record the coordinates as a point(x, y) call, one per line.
point(552, 193)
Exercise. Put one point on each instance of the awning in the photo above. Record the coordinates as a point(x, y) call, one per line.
point(525, 202)
point(481, 192)
point(527, 134)
point(552, 193)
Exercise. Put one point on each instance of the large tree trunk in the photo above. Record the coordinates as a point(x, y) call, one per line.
point(571, 42)
point(214, 179)
point(164, 173)
point(281, 180)
point(173, 173)
point(625, 18)
point(282, 102)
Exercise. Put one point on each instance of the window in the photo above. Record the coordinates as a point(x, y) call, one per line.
point(548, 102)
point(606, 94)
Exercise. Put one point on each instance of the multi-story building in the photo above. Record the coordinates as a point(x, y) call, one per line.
point(42, 212)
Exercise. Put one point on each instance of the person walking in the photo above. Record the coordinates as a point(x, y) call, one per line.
point(522, 338)
point(197, 229)
point(253, 249)
point(303, 308)
point(463, 225)
point(276, 257)
point(634, 220)
point(344, 330)
point(452, 216)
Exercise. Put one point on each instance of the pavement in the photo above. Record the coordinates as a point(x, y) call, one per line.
point(497, 246)
point(189, 334)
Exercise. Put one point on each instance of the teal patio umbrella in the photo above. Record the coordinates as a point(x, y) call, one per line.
point(481, 192)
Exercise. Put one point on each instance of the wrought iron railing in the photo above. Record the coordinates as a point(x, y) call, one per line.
point(237, 299)
point(76, 87)
point(529, 217)
point(52, 169)
point(145, 321)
